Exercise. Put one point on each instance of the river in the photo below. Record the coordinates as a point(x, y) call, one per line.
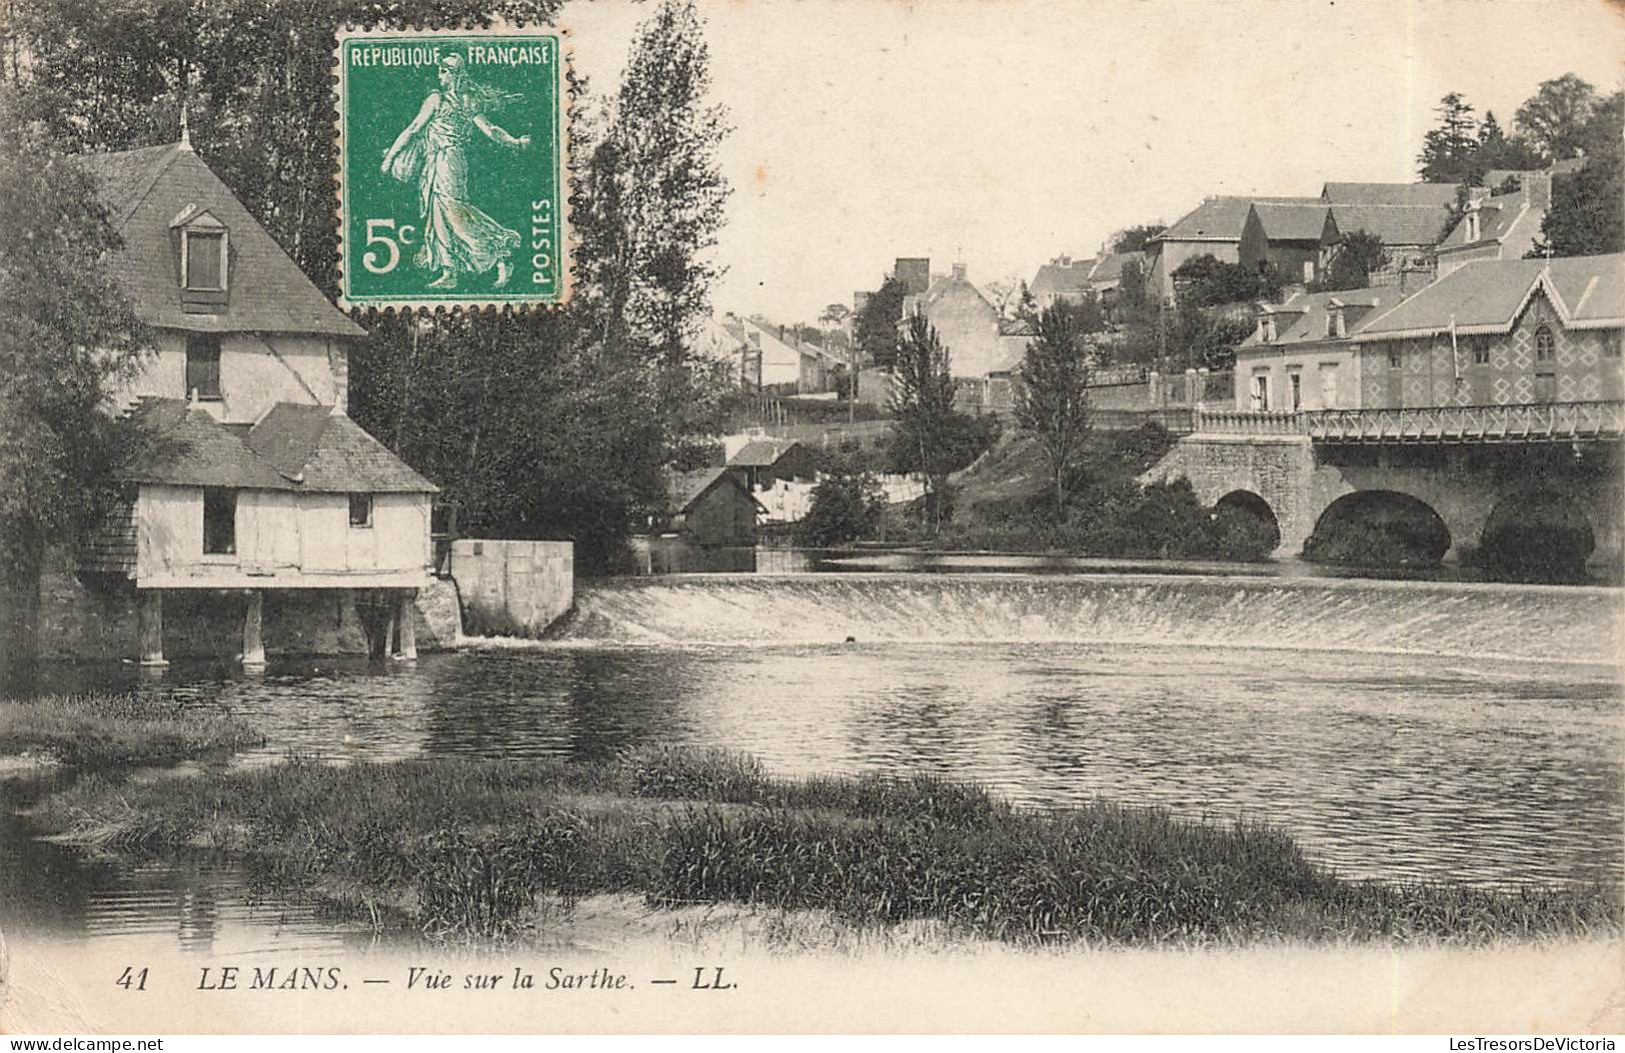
point(1400, 730)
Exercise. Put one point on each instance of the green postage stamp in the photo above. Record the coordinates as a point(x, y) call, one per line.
point(451, 168)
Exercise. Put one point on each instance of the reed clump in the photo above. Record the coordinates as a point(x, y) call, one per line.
point(466, 849)
point(106, 729)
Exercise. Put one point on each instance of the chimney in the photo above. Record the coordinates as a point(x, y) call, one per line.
point(1472, 223)
point(959, 272)
point(1537, 189)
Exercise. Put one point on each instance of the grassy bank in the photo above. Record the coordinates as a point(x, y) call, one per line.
point(472, 847)
point(98, 730)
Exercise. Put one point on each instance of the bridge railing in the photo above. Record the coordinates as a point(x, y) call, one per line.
point(1516, 423)
point(1534, 421)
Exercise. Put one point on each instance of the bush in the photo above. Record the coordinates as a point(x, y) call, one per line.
point(847, 505)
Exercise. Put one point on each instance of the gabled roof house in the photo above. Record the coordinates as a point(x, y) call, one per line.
point(251, 476)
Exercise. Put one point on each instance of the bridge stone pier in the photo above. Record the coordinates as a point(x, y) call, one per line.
point(1466, 484)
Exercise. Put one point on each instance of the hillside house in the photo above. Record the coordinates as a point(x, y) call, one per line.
point(1500, 332)
point(1408, 218)
point(978, 339)
point(1300, 357)
point(254, 483)
point(1213, 228)
point(1106, 277)
point(782, 366)
point(762, 462)
point(1062, 279)
point(1294, 238)
point(1498, 227)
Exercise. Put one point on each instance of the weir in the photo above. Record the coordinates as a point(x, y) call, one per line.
point(1552, 623)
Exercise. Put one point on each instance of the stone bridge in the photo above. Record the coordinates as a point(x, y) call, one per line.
point(1507, 464)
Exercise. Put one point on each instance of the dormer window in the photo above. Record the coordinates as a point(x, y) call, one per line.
point(1266, 328)
point(202, 245)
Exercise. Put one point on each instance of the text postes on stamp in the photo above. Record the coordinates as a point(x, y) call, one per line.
point(451, 168)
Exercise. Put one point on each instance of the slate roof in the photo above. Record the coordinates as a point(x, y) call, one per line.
point(189, 449)
point(1221, 218)
point(1419, 225)
point(1062, 279)
point(1109, 268)
point(1497, 217)
point(688, 487)
point(1440, 195)
point(144, 191)
point(1307, 313)
point(760, 453)
point(324, 452)
point(1486, 296)
point(1296, 221)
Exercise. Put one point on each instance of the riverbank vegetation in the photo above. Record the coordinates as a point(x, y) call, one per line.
point(476, 849)
point(102, 730)
point(1006, 502)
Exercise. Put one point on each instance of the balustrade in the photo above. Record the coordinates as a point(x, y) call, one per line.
point(1532, 422)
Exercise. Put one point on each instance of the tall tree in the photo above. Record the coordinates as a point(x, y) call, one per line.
point(69, 332)
point(1555, 117)
point(923, 402)
point(656, 190)
point(1052, 399)
point(1449, 150)
point(1587, 214)
point(875, 331)
point(1497, 150)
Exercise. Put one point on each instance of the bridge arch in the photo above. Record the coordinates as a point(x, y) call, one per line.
point(1378, 528)
point(1247, 524)
point(1537, 533)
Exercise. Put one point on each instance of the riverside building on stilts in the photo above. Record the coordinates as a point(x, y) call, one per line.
point(253, 499)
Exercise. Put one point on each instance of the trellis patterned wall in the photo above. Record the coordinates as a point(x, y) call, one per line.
point(1585, 366)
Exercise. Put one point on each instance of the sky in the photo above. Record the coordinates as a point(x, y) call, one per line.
point(1001, 133)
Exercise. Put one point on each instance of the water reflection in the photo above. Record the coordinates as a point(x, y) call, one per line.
point(1435, 768)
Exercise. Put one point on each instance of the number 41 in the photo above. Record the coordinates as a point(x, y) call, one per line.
point(131, 979)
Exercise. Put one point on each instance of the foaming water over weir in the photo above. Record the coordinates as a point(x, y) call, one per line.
point(1553, 623)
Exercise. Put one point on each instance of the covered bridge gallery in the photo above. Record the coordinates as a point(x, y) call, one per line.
point(245, 478)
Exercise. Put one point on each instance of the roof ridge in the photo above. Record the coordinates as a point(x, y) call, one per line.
point(151, 181)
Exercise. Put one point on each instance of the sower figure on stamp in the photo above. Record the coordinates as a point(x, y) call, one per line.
point(432, 152)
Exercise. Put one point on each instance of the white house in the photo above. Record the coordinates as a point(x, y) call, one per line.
point(250, 478)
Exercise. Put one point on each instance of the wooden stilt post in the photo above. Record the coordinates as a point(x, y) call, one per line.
point(253, 643)
point(151, 619)
point(389, 625)
point(407, 631)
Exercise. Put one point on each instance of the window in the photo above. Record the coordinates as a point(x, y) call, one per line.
point(1545, 346)
point(1295, 385)
point(1545, 387)
point(203, 260)
point(1610, 345)
point(1261, 391)
point(1328, 385)
point(219, 522)
point(1393, 358)
point(203, 365)
point(1481, 352)
point(205, 253)
point(361, 510)
point(1308, 270)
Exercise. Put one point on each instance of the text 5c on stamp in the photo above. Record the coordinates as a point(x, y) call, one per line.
point(451, 168)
